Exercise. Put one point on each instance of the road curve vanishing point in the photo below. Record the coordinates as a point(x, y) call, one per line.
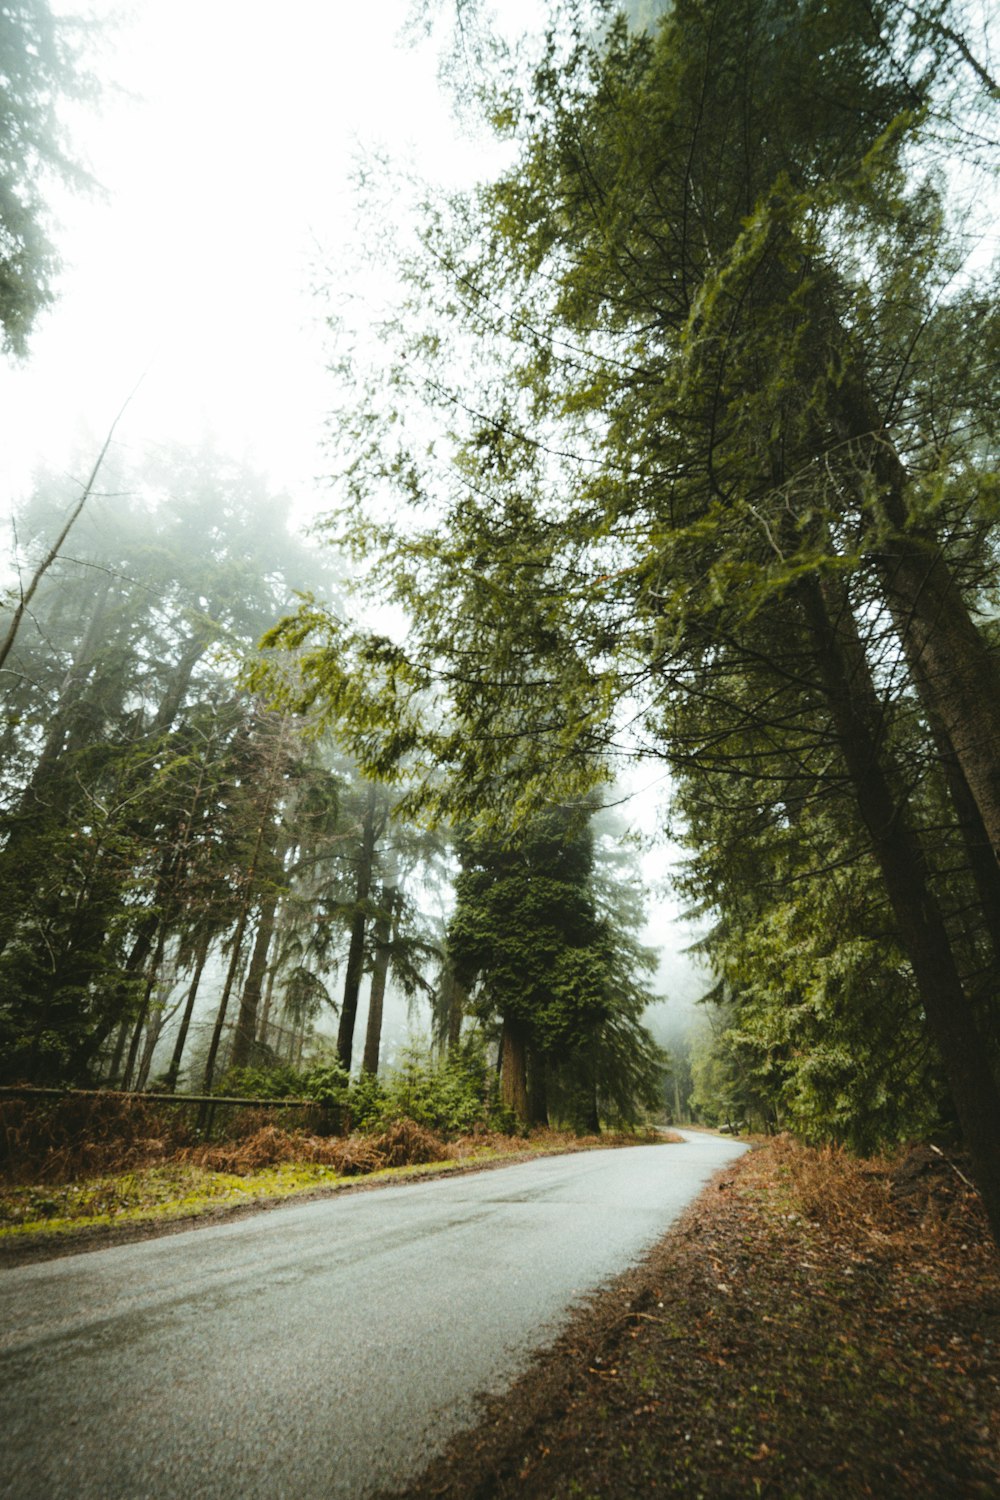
point(327, 1349)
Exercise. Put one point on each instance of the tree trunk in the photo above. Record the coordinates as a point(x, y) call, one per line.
point(227, 989)
point(134, 962)
point(144, 1008)
point(955, 673)
point(513, 1069)
point(855, 713)
point(173, 1072)
point(53, 552)
point(246, 1024)
point(265, 833)
point(982, 865)
point(380, 971)
point(157, 1020)
point(179, 683)
point(538, 1104)
point(356, 951)
point(114, 1067)
point(264, 1023)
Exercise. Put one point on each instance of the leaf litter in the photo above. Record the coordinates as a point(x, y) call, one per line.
point(813, 1326)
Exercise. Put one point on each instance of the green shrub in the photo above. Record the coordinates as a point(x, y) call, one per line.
point(279, 1082)
point(451, 1097)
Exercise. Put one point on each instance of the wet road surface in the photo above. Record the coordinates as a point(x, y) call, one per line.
point(324, 1349)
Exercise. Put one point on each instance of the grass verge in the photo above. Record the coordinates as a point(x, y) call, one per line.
point(813, 1326)
point(267, 1168)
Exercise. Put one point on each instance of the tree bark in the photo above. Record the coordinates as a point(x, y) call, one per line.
point(538, 1103)
point(854, 711)
point(380, 971)
point(144, 1008)
point(356, 950)
point(265, 838)
point(246, 1024)
point(264, 1023)
point(955, 673)
point(513, 1069)
point(173, 1072)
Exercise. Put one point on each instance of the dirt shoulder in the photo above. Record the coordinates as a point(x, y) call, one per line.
point(811, 1327)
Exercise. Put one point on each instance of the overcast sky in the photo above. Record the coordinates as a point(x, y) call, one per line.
point(225, 147)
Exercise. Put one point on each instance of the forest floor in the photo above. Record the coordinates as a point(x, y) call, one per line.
point(813, 1326)
point(42, 1219)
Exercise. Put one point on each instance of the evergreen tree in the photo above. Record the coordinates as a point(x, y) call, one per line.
point(527, 941)
point(40, 63)
point(731, 402)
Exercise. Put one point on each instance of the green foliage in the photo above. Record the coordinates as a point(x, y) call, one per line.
point(131, 801)
point(452, 1096)
point(538, 940)
point(40, 64)
point(524, 927)
point(729, 370)
point(280, 1081)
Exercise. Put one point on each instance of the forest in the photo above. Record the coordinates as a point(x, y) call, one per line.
point(679, 449)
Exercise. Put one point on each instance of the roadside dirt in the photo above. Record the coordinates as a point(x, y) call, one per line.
point(812, 1327)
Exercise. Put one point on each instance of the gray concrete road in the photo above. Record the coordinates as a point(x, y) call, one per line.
point(321, 1350)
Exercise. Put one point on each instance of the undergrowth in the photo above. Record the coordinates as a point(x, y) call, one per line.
point(267, 1163)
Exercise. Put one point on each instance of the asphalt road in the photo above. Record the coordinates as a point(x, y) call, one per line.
point(320, 1350)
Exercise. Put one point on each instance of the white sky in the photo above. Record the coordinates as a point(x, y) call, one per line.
point(227, 171)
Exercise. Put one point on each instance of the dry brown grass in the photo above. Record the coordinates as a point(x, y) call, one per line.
point(406, 1144)
point(814, 1326)
point(829, 1187)
point(78, 1136)
point(402, 1144)
point(920, 1193)
point(82, 1135)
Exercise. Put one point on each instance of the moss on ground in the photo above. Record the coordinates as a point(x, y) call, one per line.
point(172, 1190)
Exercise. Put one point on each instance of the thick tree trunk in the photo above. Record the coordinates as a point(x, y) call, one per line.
point(538, 1104)
point(983, 867)
point(956, 677)
point(356, 951)
point(380, 972)
point(513, 1069)
point(854, 710)
point(956, 674)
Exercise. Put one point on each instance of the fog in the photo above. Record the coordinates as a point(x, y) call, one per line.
point(230, 151)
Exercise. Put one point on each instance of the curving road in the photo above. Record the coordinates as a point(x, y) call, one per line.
point(323, 1349)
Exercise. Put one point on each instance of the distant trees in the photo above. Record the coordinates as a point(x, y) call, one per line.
point(173, 849)
point(40, 64)
point(132, 763)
